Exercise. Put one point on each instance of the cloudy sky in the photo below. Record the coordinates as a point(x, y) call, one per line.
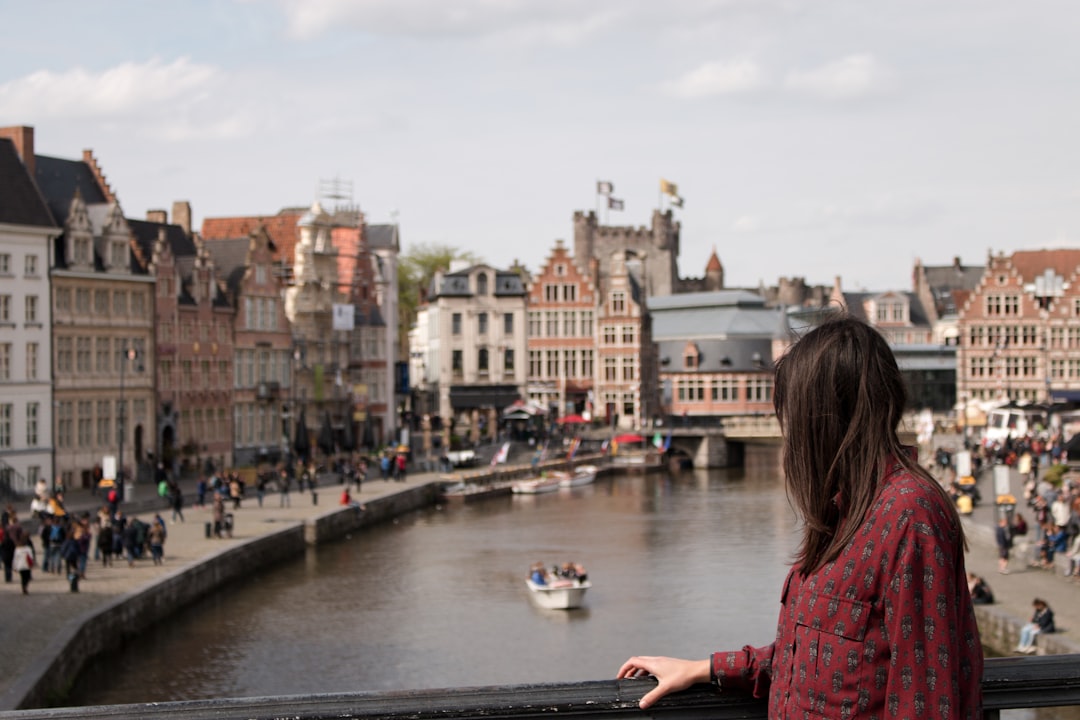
point(809, 138)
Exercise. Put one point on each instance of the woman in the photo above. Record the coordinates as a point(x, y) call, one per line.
point(875, 614)
point(24, 562)
point(1042, 621)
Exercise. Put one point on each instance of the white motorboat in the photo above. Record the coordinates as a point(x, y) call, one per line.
point(582, 475)
point(536, 485)
point(558, 594)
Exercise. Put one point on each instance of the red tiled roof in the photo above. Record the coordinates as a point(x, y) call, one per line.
point(714, 263)
point(281, 228)
point(1032, 263)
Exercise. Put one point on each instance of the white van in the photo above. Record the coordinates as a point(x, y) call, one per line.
point(1013, 422)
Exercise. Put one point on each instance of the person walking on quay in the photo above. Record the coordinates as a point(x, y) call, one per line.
point(23, 561)
point(875, 615)
point(1042, 621)
point(200, 492)
point(1003, 537)
point(156, 538)
point(285, 481)
point(176, 500)
point(9, 534)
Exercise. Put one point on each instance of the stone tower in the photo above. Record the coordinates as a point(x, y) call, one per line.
point(657, 246)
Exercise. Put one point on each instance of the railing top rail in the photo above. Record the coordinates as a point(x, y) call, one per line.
point(1008, 683)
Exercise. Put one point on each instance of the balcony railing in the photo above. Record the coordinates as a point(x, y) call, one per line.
point(1008, 683)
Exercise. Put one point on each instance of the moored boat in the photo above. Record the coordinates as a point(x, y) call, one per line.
point(535, 486)
point(581, 475)
point(471, 492)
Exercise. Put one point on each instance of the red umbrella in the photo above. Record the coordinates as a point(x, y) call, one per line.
point(572, 420)
point(629, 438)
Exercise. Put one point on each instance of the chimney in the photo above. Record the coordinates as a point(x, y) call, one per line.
point(956, 262)
point(157, 216)
point(23, 138)
point(181, 213)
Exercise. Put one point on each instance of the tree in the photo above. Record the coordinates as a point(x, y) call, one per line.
point(416, 268)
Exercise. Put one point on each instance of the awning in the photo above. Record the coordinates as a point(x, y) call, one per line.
point(628, 438)
point(467, 397)
point(1065, 395)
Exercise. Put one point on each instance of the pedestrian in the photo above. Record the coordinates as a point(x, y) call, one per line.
point(23, 561)
point(176, 499)
point(156, 538)
point(9, 532)
point(200, 492)
point(875, 616)
point(1003, 536)
point(401, 460)
point(285, 482)
point(1042, 621)
point(384, 466)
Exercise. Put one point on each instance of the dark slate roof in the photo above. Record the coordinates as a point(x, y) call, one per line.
point(58, 181)
point(146, 235)
point(230, 260)
point(945, 280)
point(382, 236)
point(20, 202)
point(372, 318)
point(456, 284)
point(722, 315)
point(718, 355)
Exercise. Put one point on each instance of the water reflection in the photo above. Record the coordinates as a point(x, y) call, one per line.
point(680, 565)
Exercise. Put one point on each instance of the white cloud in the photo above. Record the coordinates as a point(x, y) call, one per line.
point(746, 224)
point(716, 78)
point(852, 76)
point(126, 88)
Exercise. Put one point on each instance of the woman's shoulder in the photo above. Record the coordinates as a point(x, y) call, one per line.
point(915, 497)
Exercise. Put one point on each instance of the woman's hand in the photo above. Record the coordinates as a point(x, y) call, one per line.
point(672, 675)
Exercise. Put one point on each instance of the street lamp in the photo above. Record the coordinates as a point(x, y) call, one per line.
point(129, 354)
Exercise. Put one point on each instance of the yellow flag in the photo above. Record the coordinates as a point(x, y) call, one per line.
point(668, 188)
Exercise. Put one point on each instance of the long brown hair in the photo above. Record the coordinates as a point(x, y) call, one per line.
point(839, 398)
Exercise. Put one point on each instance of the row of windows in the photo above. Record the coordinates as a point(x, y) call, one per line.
point(611, 401)
point(6, 362)
point(566, 363)
point(264, 365)
point(256, 425)
point(618, 335)
point(482, 324)
point(1000, 336)
point(30, 310)
point(7, 420)
point(101, 303)
point(30, 265)
point(260, 313)
point(755, 389)
point(199, 424)
point(561, 292)
point(557, 324)
point(101, 355)
point(192, 330)
point(100, 424)
point(1030, 367)
point(483, 361)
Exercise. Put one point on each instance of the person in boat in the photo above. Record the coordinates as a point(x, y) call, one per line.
point(537, 574)
point(876, 618)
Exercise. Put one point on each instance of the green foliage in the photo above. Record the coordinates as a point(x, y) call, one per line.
point(1055, 473)
point(416, 267)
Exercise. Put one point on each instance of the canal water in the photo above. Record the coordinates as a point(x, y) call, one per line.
point(681, 565)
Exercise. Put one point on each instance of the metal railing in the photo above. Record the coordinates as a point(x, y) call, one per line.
point(1008, 683)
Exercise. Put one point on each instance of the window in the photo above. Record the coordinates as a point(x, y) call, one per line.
point(138, 304)
point(508, 323)
point(551, 322)
point(551, 293)
point(63, 299)
point(611, 369)
point(457, 362)
point(759, 390)
point(629, 332)
point(551, 363)
point(482, 322)
point(535, 324)
point(560, 270)
point(5, 424)
point(618, 303)
point(32, 361)
point(104, 422)
point(587, 323)
point(455, 324)
point(31, 310)
point(482, 284)
point(725, 390)
point(508, 360)
point(119, 302)
point(118, 254)
point(609, 335)
point(569, 293)
point(82, 299)
point(85, 423)
point(30, 268)
point(249, 313)
point(81, 250)
point(64, 356)
point(691, 390)
point(629, 368)
point(5, 361)
point(536, 364)
point(5, 308)
point(569, 323)
point(5, 264)
point(482, 361)
point(64, 429)
point(690, 361)
point(101, 354)
point(101, 302)
point(82, 355)
point(586, 363)
point(260, 274)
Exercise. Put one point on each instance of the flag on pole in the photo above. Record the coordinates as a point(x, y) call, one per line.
point(604, 187)
point(669, 188)
point(501, 455)
point(676, 201)
point(574, 444)
point(614, 204)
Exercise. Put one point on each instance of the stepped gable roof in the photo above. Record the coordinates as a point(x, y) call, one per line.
point(1032, 263)
point(718, 355)
point(59, 180)
point(382, 237)
point(20, 201)
point(146, 235)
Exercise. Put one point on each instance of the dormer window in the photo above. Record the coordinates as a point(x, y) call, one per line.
point(481, 284)
point(118, 254)
point(691, 357)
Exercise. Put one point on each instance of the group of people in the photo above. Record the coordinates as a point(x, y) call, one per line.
point(567, 572)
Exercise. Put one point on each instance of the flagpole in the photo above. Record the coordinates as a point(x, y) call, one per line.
point(598, 196)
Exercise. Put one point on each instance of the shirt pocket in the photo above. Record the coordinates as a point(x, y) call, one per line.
point(830, 672)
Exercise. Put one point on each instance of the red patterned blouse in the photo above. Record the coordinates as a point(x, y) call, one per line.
point(886, 630)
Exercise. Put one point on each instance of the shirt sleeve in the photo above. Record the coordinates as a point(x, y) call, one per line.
point(748, 669)
point(930, 623)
